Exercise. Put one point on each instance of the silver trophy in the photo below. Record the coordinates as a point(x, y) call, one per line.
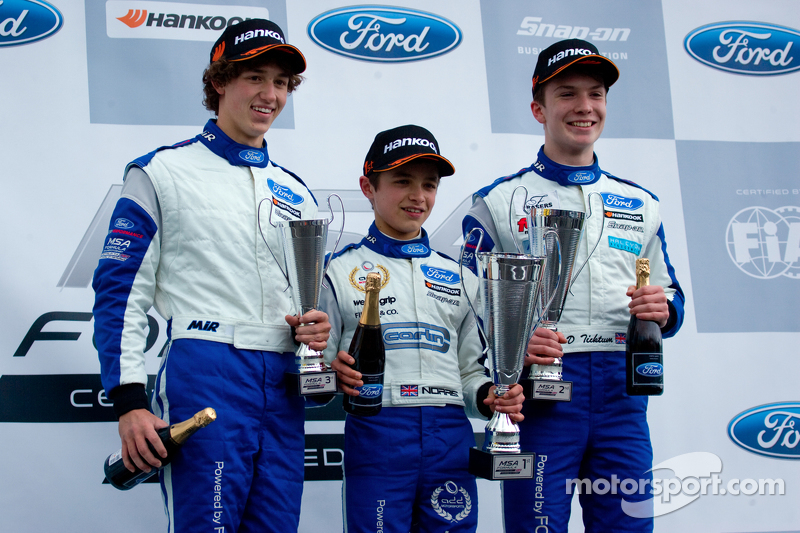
point(509, 291)
point(546, 381)
point(304, 243)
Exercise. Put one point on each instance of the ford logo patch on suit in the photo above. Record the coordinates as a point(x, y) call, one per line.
point(26, 21)
point(382, 33)
point(581, 176)
point(772, 430)
point(753, 48)
point(415, 249)
point(440, 275)
point(285, 193)
point(123, 223)
point(253, 156)
point(621, 202)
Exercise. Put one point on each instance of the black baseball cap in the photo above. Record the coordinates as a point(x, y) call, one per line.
point(398, 146)
point(562, 55)
point(253, 37)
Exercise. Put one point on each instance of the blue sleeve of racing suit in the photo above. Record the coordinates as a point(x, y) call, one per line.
point(478, 217)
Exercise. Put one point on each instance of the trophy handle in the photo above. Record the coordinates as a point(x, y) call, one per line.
point(341, 232)
point(602, 227)
point(511, 216)
point(541, 279)
point(461, 273)
point(258, 218)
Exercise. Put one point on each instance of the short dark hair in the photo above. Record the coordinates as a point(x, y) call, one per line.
point(223, 71)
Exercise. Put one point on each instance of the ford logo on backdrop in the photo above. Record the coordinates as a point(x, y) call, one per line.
point(285, 193)
point(753, 48)
point(26, 21)
point(381, 33)
point(770, 430)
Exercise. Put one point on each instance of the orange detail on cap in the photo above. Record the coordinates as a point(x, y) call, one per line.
point(256, 51)
point(218, 51)
point(368, 167)
point(589, 62)
point(535, 79)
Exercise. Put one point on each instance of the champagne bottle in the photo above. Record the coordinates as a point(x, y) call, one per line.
point(172, 437)
point(644, 367)
point(368, 351)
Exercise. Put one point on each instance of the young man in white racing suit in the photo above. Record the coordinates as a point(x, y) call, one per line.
point(410, 461)
point(602, 433)
point(189, 236)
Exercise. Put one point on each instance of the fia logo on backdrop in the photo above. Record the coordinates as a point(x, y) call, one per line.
point(765, 243)
point(384, 34)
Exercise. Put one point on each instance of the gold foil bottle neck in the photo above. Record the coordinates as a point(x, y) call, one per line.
point(183, 430)
point(642, 273)
point(370, 316)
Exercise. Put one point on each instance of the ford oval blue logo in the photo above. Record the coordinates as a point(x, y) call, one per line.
point(415, 249)
point(581, 176)
point(440, 275)
point(753, 48)
point(285, 193)
point(770, 430)
point(370, 391)
point(123, 223)
point(381, 33)
point(621, 202)
point(253, 156)
point(650, 369)
point(26, 21)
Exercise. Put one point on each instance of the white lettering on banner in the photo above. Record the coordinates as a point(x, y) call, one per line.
point(11, 26)
point(531, 26)
point(376, 41)
point(777, 57)
point(792, 436)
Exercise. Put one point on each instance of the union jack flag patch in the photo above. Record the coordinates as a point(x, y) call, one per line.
point(409, 390)
point(619, 338)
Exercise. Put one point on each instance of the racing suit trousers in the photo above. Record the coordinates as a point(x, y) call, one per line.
point(243, 472)
point(405, 469)
point(602, 434)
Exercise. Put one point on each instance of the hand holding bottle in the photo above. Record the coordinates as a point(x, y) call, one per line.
point(136, 429)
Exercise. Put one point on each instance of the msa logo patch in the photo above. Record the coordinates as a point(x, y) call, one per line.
point(416, 335)
point(386, 34)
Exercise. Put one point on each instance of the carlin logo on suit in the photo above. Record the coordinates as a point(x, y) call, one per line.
point(769, 430)
point(26, 21)
point(752, 48)
point(381, 33)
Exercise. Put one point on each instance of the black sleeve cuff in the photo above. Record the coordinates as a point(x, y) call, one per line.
point(672, 320)
point(481, 395)
point(129, 397)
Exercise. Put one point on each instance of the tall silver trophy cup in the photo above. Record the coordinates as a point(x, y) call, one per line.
point(509, 285)
point(304, 243)
point(545, 382)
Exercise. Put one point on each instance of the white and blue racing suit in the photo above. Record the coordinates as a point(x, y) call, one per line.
point(602, 432)
point(186, 237)
point(406, 467)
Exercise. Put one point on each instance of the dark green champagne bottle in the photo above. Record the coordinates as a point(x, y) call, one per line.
point(644, 366)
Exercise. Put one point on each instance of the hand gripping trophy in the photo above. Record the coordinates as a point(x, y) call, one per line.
point(545, 381)
point(304, 243)
point(508, 292)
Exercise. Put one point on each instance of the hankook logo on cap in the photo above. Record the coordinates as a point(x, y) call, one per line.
point(752, 48)
point(382, 33)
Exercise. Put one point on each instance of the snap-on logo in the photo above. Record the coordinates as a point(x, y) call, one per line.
point(440, 274)
point(621, 202)
point(284, 193)
point(768, 430)
point(581, 176)
point(123, 223)
point(252, 156)
point(382, 33)
point(752, 48)
point(26, 21)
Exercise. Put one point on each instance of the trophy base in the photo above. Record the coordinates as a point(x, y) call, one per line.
point(500, 466)
point(547, 389)
point(310, 383)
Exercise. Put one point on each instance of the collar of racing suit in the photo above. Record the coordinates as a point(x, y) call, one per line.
point(563, 174)
point(237, 154)
point(385, 245)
